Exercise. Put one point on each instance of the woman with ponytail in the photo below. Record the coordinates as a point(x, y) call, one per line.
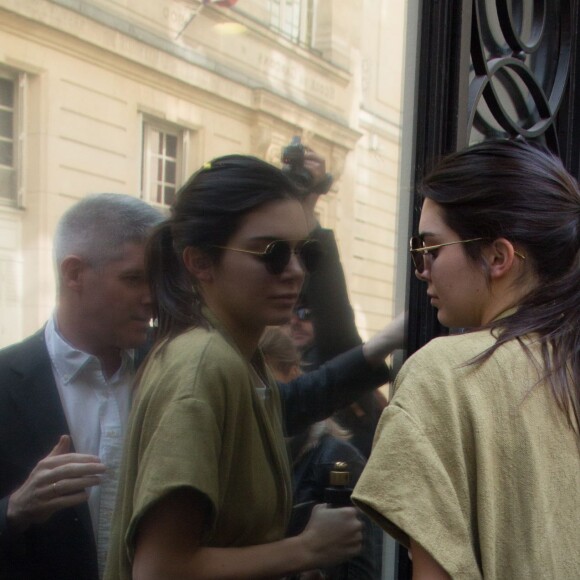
point(205, 490)
point(476, 463)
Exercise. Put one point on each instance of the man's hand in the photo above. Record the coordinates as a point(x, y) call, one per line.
point(58, 481)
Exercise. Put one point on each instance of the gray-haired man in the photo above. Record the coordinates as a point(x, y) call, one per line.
point(65, 395)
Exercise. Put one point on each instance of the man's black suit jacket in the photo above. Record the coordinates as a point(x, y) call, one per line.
point(31, 421)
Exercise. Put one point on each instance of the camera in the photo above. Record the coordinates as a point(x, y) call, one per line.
point(293, 167)
point(293, 160)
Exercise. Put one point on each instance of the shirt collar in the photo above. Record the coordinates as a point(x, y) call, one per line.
point(506, 313)
point(69, 361)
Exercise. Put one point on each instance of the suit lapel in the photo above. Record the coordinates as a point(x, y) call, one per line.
point(36, 394)
point(39, 405)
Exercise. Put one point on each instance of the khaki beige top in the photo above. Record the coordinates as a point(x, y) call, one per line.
point(477, 465)
point(199, 422)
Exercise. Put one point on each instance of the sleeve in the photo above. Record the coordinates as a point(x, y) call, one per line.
point(9, 537)
point(318, 394)
point(327, 295)
point(179, 449)
point(412, 492)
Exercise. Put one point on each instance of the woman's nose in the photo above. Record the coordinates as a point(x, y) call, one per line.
point(295, 266)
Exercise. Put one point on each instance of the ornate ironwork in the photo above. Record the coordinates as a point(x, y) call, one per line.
point(520, 63)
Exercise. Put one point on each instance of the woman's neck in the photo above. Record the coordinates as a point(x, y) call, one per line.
point(246, 340)
point(246, 337)
point(505, 294)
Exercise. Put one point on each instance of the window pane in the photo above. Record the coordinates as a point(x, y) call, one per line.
point(163, 157)
point(169, 195)
point(6, 153)
point(275, 15)
point(171, 146)
point(285, 17)
point(6, 124)
point(170, 172)
point(6, 93)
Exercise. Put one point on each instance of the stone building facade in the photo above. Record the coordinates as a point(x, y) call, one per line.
point(132, 96)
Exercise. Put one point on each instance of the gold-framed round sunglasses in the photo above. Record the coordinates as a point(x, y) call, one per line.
point(277, 254)
point(419, 250)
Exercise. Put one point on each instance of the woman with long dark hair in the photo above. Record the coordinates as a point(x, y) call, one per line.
point(205, 490)
point(476, 464)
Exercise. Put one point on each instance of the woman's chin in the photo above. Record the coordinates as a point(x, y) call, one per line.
point(444, 320)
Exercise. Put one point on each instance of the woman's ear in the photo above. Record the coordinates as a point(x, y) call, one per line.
point(501, 257)
point(198, 264)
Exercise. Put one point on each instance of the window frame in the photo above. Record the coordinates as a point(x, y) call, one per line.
point(305, 25)
point(19, 82)
point(149, 126)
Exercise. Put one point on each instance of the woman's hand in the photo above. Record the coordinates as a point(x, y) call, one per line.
point(169, 544)
point(331, 536)
point(390, 338)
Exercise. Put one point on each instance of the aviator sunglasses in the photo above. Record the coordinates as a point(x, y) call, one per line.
point(277, 254)
point(419, 250)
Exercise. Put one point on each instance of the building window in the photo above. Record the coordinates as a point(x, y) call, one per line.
point(163, 152)
point(8, 139)
point(293, 19)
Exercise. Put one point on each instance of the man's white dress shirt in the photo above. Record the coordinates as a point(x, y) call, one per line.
point(96, 409)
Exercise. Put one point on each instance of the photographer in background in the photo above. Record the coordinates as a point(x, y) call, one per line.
point(326, 296)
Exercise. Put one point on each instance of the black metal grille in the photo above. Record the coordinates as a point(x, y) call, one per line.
point(520, 64)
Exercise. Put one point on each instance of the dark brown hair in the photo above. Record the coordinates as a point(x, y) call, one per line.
point(207, 212)
point(521, 192)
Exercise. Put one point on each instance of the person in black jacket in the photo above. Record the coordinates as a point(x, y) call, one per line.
point(331, 317)
point(315, 450)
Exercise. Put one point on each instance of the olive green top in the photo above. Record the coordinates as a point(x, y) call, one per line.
point(203, 420)
point(477, 465)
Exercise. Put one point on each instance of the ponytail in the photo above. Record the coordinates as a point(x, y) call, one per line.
point(551, 312)
point(175, 303)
